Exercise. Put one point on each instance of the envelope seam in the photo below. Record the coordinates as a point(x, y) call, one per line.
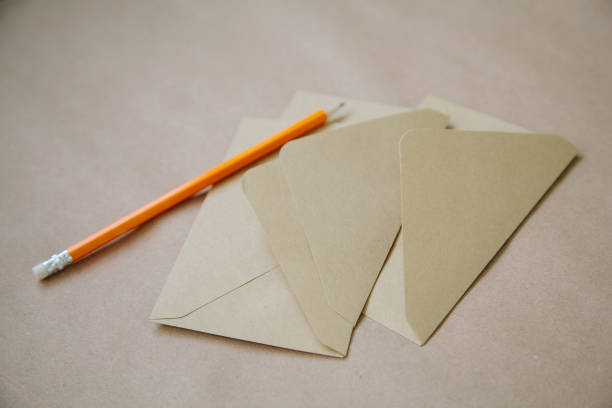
point(218, 297)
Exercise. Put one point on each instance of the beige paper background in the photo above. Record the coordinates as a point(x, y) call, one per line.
point(98, 100)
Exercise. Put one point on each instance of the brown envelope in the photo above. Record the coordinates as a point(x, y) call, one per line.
point(387, 303)
point(330, 207)
point(266, 188)
point(463, 195)
point(225, 280)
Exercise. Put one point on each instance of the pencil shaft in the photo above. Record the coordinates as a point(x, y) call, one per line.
point(188, 189)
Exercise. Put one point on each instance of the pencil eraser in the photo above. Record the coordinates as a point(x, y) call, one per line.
point(52, 265)
point(40, 271)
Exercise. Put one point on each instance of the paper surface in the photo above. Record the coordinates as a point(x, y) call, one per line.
point(330, 207)
point(267, 190)
point(224, 238)
point(387, 302)
point(140, 96)
point(225, 280)
point(463, 195)
point(227, 252)
point(345, 185)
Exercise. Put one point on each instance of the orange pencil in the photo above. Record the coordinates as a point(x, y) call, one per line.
point(86, 246)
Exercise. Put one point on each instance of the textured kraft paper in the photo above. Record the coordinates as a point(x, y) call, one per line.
point(225, 280)
point(463, 194)
point(260, 184)
point(345, 188)
point(330, 207)
point(105, 106)
point(387, 304)
point(222, 280)
point(182, 294)
point(394, 301)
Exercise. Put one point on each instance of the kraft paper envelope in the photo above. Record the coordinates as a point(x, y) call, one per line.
point(286, 235)
point(225, 280)
point(387, 303)
point(463, 195)
point(330, 206)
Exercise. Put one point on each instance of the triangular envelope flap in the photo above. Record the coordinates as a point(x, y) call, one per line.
point(268, 193)
point(345, 184)
point(463, 195)
point(226, 246)
point(261, 311)
point(386, 303)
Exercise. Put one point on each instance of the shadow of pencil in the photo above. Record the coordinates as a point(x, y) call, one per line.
point(122, 242)
point(500, 252)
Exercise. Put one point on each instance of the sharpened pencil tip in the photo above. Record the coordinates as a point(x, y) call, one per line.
point(335, 109)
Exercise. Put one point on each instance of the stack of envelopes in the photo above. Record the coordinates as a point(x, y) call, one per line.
point(386, 211)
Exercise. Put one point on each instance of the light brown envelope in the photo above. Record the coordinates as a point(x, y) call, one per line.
point(225, 280)
point(387, 303)
point(267, 190)
point(463, 195)
point(330, 207)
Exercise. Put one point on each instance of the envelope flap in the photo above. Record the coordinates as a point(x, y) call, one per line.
point(345, 184)
point(262, 311)
point(268, 193)
point(226, 246)
point(463, 195)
